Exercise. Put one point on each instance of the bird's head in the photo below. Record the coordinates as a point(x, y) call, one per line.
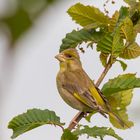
point(69, 57)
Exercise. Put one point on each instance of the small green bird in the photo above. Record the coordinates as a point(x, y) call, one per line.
point(77, 89)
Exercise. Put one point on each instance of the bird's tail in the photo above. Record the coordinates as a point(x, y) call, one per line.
point(118, 119)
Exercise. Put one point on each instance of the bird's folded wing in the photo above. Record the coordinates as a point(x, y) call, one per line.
point(80, 85)
point(82, 95)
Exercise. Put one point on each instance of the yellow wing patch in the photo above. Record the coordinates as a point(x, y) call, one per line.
point(80, 98)
point(97, 96)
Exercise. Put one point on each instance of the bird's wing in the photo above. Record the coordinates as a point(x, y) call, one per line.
point(81, 95)
point(80, 86)
point(104, 98)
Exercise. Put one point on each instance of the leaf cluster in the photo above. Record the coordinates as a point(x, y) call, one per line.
point(114, 36)
point(115, 40)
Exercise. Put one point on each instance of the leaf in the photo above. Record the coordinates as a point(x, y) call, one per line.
point(77, 37)
point(103, 58)
point(121, 83)
point(121, 20)
point(31, 119)
point(123, 13)
point(118, 102)
point(123, 65)
point(95, 132)
point(131, 52)
point(88, 15)
point(89, 115)
point(127, 29)
point(111, 44)
point(113, 21)
point(129, 1)
point(68, 135)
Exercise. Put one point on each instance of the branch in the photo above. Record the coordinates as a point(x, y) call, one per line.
point(80, 114)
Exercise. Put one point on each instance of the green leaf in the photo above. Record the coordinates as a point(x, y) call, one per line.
point(118, 18)
point(120, 83)
point(121, 20)
point(113, 21)
point(130, 52)
point(77, 37)
point(111, 43)
point(88, 15)
point(68, 135)
point(129, 1)
point(89, 115)
point(123, 65)
point(31, 119)
point(118, 102)
point(123, 13)
point(95, 132)
point(103, 58)
point(127, 29)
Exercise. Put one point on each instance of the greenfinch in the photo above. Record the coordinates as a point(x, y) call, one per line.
point(77, 89)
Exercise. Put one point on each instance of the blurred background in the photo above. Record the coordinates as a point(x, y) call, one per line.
point(30, 35)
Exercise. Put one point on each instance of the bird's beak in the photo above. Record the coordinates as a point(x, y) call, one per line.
point(60, 57)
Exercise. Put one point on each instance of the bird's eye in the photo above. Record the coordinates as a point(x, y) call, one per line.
point(68, 56)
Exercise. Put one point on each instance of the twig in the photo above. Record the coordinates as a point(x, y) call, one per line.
point(102, 76)
point(80, 114)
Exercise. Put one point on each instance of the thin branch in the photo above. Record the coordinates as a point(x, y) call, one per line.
point(105, 71)
point(76, 120)
point(80, 114)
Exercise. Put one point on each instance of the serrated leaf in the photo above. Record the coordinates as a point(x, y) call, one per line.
point(123, 65)
point(31, 119)
point(121, 20)
point(119, 102)
point(113, 21)
point(77, 37)
point(95, 132)
point(120, 83)
point(130, 52)
point(111, 44)
point(128, 30)
point(103, 58)
point(68, 135)
point(88, 15)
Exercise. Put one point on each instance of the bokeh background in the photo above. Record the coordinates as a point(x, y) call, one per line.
point(30, 35)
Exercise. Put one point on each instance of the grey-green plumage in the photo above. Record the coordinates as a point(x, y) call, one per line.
point(77, 89)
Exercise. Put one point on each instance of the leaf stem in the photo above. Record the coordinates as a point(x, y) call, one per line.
point(103, 74)
point(80, 114)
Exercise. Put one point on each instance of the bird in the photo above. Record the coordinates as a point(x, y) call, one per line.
point(78, 90)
